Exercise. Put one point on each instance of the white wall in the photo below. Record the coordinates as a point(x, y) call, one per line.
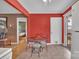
point(5, 8)
point(65, 27)
point(75, 27)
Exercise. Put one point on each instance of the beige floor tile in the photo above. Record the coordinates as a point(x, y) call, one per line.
point(54, 52)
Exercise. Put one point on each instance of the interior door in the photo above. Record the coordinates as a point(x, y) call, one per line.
point(56, 30)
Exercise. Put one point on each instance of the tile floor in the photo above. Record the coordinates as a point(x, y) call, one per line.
point(54, 52)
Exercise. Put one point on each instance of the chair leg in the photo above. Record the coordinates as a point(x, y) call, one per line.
point(39, 54)
point(42, 49)
point(46, 48)
point(32, 51)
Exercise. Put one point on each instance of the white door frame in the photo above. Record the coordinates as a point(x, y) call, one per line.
point(21, 19)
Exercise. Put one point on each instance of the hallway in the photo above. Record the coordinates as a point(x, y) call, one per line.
point(54, 52)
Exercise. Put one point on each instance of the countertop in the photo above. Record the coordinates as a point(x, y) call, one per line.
point(4, 51)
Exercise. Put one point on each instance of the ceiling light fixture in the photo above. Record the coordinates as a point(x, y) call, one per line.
point(45, 1)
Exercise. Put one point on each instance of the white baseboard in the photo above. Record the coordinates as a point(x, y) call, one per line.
point(49, 43)
point(53, 44)
point(14, 43)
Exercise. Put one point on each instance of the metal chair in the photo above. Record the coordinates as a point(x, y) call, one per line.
point(43, 45)
point(36, 48)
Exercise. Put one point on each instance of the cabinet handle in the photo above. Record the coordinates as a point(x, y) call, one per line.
point(76, 31)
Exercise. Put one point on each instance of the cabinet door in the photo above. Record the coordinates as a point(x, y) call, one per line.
point(75, 16)
point(7, 56)
point(75, 31)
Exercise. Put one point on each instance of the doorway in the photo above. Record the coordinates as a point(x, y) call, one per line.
point(69, 31)
point(21, 28)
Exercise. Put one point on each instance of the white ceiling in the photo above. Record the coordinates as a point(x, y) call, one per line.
point(5, 8)
point(38, 6)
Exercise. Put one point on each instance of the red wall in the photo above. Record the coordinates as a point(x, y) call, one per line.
point(62, 29)
point(39, 24)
